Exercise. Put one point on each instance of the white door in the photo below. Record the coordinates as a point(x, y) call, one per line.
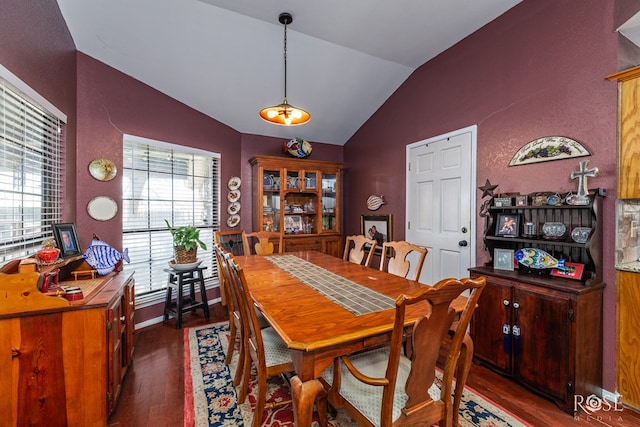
point(440, 202)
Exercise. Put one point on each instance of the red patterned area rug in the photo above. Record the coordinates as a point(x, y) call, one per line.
point(211, 399)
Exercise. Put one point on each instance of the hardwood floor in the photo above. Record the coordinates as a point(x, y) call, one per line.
point(153, 390)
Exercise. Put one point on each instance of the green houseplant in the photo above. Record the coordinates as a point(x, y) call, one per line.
point(186, 240)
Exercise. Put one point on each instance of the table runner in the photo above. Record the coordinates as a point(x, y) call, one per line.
point(350, 295)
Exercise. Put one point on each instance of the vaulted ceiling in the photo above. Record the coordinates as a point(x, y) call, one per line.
point(226, 58)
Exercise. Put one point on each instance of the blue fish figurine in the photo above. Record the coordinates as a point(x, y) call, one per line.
point(103, 257)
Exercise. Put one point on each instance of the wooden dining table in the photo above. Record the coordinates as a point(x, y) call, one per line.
point(324, 307)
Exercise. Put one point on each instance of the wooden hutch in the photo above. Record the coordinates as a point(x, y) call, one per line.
point(63, 360)
point(301, 198)
point(543, 330)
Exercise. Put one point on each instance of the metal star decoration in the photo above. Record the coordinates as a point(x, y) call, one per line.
point(487, 189)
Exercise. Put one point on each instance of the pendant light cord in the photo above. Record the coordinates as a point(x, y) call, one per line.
point(285, 61)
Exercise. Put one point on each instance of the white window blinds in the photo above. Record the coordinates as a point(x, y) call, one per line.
point(31, 166)
point(164, 181)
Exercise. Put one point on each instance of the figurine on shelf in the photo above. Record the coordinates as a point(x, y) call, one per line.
point(49, 253)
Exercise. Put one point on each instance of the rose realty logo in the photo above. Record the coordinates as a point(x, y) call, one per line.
point(592, 408)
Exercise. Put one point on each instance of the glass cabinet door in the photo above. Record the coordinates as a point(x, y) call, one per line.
point(271, 200)
point(329, 183)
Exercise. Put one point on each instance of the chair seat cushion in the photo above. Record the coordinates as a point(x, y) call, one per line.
point(366, 398)
point(275, 350)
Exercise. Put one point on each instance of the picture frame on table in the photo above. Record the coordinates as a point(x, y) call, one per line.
point(377, 227)
point(571, 270)
point(503, 259)
point(507, 225)
point(66, 239)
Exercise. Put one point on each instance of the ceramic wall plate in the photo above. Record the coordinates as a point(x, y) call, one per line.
point(103, 169)
point(233, 208)
point(233, 196)
point(102, 208)
point(234, 183)
point(233, 220)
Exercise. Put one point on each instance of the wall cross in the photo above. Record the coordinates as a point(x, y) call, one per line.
point(582, 175)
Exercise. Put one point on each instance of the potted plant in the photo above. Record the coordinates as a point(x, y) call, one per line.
point(186, 240)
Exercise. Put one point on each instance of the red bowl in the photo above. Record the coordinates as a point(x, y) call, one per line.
point(48, 256)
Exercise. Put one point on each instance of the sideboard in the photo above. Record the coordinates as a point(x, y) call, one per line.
point(63, 362)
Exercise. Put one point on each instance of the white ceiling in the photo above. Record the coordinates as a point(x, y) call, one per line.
point(225, 58)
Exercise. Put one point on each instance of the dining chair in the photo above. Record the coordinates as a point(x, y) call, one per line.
point(230, 241)
point(265, 348)
point(355, 249)
point(236, 328)
point(262, 243)
point(397, 263)
point(383, 387)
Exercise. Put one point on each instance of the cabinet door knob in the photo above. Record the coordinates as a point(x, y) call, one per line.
point(506, 303)
point(122, 319)
point(516, 305)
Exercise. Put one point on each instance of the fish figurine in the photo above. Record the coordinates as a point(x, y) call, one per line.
point(538, 259)
point(374, 202)
point(103, 257)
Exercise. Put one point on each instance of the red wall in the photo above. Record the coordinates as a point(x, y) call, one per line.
point(538, 70)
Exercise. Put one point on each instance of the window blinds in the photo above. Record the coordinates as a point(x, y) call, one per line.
point(31, 166)
point(164, 181)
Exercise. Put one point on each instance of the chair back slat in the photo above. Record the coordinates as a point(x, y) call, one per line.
point(262, 243)
point(394, 258)
point(355, 249)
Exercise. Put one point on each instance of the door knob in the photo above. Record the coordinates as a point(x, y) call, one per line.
point(462, 243)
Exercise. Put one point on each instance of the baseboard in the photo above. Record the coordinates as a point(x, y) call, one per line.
point(613, 397)
point(160, 319)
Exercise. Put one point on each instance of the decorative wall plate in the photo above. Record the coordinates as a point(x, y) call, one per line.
point(233, 220)
point(233, 208)
point(103, 169)
point(233, 196)
point(234, 183)
point(581, 234)
point(102, 208)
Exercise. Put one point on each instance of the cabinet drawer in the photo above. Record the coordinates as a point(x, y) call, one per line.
point(304, 244)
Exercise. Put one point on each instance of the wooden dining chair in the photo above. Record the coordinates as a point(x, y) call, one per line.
point(394, 259)
point(236, 327)
point(383, 387)
point(232, 242)
point(355, 249)
point(262, 243)
point(265, 348)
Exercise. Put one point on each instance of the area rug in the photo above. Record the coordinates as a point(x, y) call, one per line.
point(211, 399)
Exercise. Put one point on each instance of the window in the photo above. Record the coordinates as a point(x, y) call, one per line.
point(165, 181)
point(30, 168)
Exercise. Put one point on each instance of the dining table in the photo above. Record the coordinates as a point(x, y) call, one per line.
point(324, 307)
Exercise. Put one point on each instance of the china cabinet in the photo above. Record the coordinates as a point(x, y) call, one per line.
point(300, 198)
point(65, 360)
point(627, 240)
point(544, 330)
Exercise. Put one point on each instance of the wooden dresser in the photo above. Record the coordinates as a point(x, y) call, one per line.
point(62, 361)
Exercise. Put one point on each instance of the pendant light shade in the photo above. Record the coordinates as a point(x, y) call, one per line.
point(285, 114)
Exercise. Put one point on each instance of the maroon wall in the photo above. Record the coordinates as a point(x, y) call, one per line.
point(36, 46)
point(538, 70)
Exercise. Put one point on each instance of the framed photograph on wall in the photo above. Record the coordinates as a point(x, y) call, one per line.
point(503, 259)
point(571, 271)
point(66, 239)
point(507, 225)
point(377, 227)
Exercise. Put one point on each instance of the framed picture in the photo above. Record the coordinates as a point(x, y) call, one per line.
point(521, 200)
point(503, 259)
point(507, 224)
point(293, 224)
point(572, 271)
point(66, 239)
point(377, 227)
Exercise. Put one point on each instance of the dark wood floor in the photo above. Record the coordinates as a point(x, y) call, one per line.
point(153, 390)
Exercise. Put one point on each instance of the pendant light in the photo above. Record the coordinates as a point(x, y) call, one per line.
point(285, 114)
